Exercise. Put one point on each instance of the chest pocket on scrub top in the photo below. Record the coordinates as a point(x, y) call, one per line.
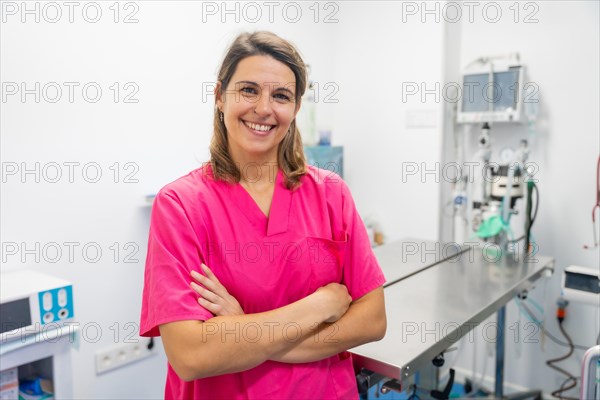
point(326, 260)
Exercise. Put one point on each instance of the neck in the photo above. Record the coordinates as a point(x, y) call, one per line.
point(259, 176)
point(256, 171)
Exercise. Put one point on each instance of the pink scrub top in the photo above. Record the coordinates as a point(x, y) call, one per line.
point(312, 237)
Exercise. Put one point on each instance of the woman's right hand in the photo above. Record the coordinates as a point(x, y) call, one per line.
point(213, 295)
point(335, 300)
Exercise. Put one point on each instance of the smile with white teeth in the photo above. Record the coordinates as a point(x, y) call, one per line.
point(258, 127)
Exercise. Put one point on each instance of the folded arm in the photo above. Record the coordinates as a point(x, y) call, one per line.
point(364, 322)
point(232, 343)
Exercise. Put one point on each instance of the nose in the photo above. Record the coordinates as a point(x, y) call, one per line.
point(262, 107)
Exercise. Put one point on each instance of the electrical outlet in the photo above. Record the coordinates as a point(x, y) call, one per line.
point(122, 354)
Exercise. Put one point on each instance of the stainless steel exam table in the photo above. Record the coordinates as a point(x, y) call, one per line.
point(435, 294)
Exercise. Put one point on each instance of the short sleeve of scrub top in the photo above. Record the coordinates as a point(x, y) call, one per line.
point(313, 236)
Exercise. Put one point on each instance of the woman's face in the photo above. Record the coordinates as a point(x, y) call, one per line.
point(258, 106)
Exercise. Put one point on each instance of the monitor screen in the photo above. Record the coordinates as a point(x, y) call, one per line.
point(474, 98)
point(505, 88)
point(584, 282)
point(480, 95)
point(14, 315)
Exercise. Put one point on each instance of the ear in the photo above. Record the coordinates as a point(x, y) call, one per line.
point(218, 95)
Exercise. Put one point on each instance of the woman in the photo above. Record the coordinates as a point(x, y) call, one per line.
point(259, 273)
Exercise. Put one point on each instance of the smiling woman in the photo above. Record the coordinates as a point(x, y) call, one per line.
point(259, 274)
point(258, 113)
point(261, 81)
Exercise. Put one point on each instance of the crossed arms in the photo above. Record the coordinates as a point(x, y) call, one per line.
point(324, 323)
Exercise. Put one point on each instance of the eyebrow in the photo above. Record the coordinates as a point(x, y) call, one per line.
point(256, 84)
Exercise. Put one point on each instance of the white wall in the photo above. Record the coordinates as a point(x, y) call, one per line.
point(560, 52)
point(375, 56)
point(169, 53)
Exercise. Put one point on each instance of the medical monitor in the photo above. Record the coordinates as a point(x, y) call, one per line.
point(492, 95)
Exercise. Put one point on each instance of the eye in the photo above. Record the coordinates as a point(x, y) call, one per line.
point(248, 90)
point(282, 96)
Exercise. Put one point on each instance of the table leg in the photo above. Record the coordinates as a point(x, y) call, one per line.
point(501, 319)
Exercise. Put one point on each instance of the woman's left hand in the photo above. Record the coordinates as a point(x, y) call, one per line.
point(213, 295)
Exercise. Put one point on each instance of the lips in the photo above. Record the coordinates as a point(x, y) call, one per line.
point(258, 129)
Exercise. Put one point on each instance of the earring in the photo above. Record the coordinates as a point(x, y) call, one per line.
point(221, 116)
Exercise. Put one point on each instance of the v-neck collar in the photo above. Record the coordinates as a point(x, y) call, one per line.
point(277, 221)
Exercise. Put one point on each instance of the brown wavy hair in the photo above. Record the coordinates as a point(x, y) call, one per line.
point(290, 153)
